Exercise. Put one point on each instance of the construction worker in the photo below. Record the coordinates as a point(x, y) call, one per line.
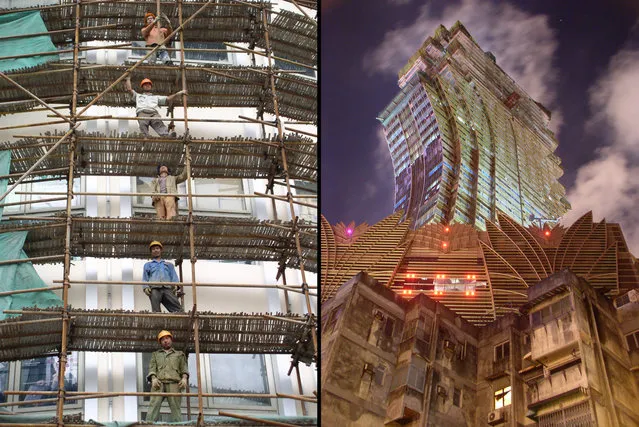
point(168, 373)
point(158, 270)
point(166, 206)
point(154, 34)
point(146, 105)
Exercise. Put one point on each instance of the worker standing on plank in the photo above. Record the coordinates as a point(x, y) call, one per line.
point(154, 34)
point(168, 373)
point(158, 270)
point(165, 183)
point(147, 104)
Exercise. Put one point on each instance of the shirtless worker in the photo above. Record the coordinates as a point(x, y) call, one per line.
point(154, 34)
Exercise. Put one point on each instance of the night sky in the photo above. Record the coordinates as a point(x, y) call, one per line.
point(579, 58)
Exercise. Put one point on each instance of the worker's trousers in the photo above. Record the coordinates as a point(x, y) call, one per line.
point(165, 207)
point(166, 297)
point(174, 403)
point(153, 121)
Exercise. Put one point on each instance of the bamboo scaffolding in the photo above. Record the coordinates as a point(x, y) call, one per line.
point(212, 285)
point(71, 138)
point(286, 178)
point(75, 395)
point(97, 193)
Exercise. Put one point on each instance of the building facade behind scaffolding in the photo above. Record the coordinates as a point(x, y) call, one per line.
point(466, 141)
point(244, 241)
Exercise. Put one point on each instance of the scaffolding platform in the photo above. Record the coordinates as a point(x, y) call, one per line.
point(218, 238)
point(208, 86)
point(125, 331)
point(126, 154)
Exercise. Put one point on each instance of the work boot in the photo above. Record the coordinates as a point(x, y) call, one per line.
point(173, 134)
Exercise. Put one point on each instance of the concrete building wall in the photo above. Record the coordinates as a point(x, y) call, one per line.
point(562, 361)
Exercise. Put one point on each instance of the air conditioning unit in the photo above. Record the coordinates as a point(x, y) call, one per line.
point(498, 416)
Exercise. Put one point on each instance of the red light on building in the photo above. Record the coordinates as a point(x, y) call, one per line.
point(547, 233)
point(467, 293)
point(447, 229)
point(445, 245)
point(473, 277)
point(468, 276)
point(472, 293)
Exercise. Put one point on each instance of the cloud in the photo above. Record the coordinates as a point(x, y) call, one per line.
point(523, 43)
point(381, 188)
point(399, 2)
point(609, 185)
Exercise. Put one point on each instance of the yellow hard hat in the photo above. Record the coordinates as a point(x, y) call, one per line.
point(146, 81)
point(155, 243)
point(162, 334)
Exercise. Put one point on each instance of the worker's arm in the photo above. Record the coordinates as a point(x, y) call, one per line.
point(181, 177)
point(146, 30)
point(153, 368)
point(127, 85)
point(170, 97)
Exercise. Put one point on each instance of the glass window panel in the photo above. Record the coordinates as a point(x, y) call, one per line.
point(220, 186)
point(203, 55)
point(54, 186)
point(4, 380)
point(239, 373)
point(41, 374)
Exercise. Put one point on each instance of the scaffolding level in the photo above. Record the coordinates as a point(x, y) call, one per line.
point(283, 94)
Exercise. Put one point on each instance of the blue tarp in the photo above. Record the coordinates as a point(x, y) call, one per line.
point(14, 24)
point(22, 275)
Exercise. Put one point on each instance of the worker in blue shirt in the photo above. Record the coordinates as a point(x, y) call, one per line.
point(158, 270)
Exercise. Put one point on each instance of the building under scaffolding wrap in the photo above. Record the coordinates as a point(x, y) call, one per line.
point(466, 141)
point(78, 185)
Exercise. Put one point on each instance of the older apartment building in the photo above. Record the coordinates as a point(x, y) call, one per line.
point(566, 357)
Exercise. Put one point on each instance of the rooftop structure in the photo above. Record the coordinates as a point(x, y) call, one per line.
point(479, 275)
point(466, 141)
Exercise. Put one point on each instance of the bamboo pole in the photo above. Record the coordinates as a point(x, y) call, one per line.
point(76, 395)
point(212, 285)
point(285, 165)
point(19, 261)
point(40, 172)
point(299, 387)
point(68, 30)
point(246, 417)
point(137, 64)
point(173, 140)
point(24, 291)
point(299, 64)
point(312, 21)
point(97, 193)
point(32, 95)
point(36, 164)
point(55, 52)
point(127, 220)
point(26, 202)
point(285, 199)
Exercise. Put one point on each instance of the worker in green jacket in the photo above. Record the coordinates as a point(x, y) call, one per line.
point(169, 373)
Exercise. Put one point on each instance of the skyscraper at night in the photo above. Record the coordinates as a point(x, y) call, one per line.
point(466, 141)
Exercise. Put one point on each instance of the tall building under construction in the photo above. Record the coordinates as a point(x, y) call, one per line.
point(466, 141)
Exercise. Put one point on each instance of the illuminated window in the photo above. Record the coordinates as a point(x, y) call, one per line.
point(502, 397)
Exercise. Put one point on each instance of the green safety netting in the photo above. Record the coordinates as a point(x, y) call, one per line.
point(22, 275)
point(14, 24)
